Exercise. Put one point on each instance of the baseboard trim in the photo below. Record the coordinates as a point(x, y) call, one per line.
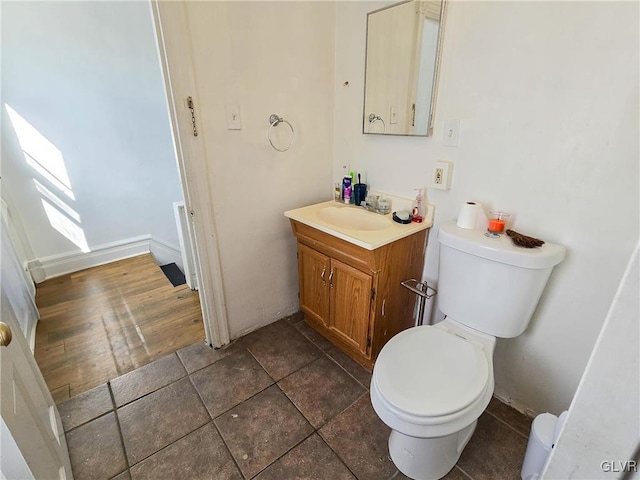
point(62, 264)
point(519, 406)
point(34, 267)
point(164, 253)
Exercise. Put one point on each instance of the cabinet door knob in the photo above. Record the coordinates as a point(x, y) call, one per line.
point(324, 270)
point(330, 278)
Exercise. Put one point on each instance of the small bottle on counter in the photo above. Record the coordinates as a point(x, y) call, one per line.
point(417, 212)
point(347, 194)
point(352, 198)
point(346, 189)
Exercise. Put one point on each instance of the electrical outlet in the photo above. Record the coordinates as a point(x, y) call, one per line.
point(438, 173)
point(442, 173)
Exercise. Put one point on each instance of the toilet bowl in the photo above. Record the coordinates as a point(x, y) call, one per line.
point(430, 384)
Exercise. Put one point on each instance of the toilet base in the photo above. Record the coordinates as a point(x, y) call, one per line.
point(428, 458)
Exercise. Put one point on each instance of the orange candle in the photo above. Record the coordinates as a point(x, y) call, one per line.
point(496, 225)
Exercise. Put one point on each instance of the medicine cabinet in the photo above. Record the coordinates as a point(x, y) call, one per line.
point(404, 42)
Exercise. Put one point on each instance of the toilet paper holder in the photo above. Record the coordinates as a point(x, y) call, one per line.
point(424, 291)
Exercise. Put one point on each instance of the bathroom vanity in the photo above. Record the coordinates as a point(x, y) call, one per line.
point(350, 265)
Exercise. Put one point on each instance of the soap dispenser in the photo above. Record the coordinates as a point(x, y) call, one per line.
point(418, 209)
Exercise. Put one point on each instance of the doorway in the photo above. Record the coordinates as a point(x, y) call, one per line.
point(90, 166)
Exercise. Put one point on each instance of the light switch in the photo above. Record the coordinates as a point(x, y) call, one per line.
point(233, 117)
point(393, 115)
point(451, 133)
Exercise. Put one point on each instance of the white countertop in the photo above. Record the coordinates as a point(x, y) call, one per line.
point(368, 239)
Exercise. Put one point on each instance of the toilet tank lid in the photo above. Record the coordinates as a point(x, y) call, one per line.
point(502, 249)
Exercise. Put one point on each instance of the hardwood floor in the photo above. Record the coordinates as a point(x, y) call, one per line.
point(100, 323)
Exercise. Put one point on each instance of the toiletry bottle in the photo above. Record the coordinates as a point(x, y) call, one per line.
point(345, 173)
point(417, 211)
point(346, 189)
point(352, 199)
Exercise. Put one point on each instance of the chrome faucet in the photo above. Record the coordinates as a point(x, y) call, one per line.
point(377, 204)
point(371, 203)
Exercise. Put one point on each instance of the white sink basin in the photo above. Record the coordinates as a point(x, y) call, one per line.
point(353, 219)
point(356, 225)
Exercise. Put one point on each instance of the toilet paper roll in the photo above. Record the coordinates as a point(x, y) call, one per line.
point(472, 216)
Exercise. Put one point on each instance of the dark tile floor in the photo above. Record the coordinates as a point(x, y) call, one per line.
point(281, 403)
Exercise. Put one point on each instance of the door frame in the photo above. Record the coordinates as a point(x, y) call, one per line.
point(190, 150)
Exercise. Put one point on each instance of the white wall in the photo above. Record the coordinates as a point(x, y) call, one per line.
point(595, 443)
point(549, 120)
point(265, 57)
point(86, 75)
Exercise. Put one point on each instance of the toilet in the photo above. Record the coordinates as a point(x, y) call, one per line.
point(431, 383)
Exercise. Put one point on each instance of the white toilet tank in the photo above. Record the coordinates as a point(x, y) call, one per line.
point(489, 284)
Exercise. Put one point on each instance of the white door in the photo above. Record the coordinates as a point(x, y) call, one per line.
point(172, 31)
point(28, 412)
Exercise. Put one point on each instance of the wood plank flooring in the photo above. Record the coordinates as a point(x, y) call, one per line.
point(100, 323)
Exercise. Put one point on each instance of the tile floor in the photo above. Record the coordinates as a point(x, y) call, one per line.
point(280, 403)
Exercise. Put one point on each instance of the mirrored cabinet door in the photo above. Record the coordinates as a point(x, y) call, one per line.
point(401, 71)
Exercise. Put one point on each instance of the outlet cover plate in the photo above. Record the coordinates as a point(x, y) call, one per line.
point(442, 173)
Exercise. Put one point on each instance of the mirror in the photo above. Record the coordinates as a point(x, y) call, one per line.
point(401, 72)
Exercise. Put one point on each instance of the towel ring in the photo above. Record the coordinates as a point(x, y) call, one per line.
point(274, 121)
point(373, 118)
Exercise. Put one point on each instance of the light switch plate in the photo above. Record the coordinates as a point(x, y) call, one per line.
point(451, 134)
point(393, 116)
point(233, 117)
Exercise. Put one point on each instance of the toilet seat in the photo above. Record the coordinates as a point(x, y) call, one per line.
point(431, 372)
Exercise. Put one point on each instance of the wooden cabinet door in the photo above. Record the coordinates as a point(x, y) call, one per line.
point(313, 273)
point(350, 304)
